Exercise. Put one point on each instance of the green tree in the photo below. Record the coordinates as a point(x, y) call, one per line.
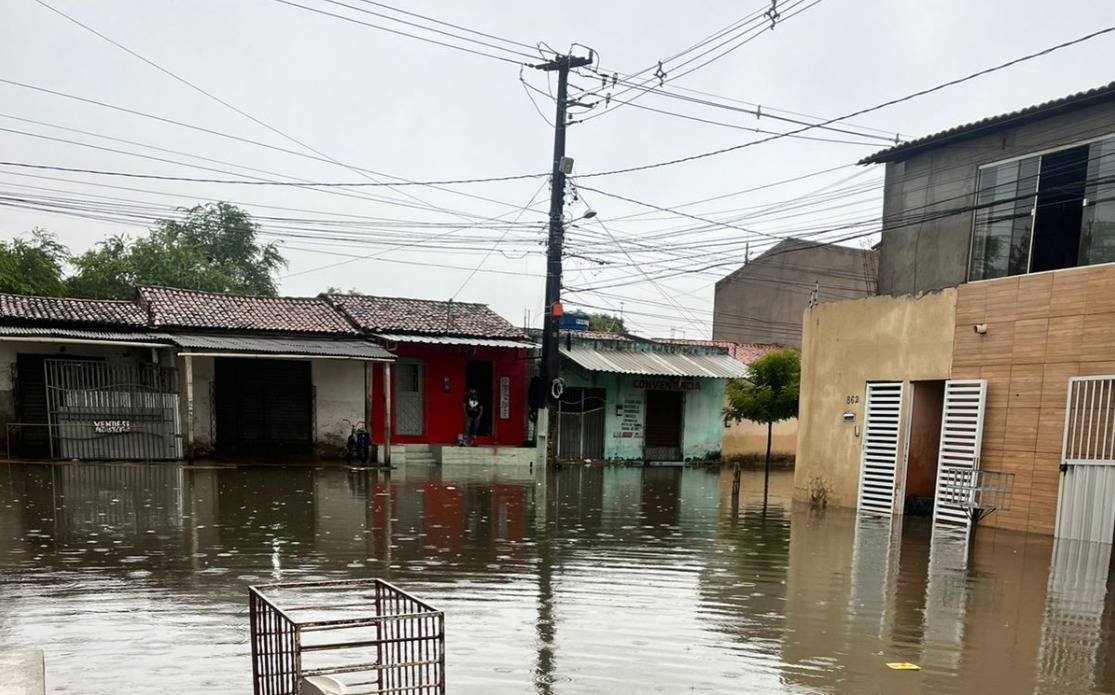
point(33, 266)
point(768, 395)
point(215, 248)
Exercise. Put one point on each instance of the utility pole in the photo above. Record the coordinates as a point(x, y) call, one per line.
point(561, 64)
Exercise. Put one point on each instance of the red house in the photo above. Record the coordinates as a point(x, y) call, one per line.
point(443, 350)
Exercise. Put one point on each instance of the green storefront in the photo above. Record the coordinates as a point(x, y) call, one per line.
point(629, 399)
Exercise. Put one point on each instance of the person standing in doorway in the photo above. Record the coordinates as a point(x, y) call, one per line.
point(474, 410)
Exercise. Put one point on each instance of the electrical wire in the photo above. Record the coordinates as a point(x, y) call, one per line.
point(353, 20)
point(245, 182)
point(860, 112)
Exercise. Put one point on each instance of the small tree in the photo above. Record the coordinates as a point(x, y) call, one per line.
point(34, 266)
point(768, 395)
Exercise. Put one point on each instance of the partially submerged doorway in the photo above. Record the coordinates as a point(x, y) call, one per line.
point(927, 400)
point(478, 375)
point(663, 426)
point(263, 405)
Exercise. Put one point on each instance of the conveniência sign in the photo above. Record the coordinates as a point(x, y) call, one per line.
point(667, 384)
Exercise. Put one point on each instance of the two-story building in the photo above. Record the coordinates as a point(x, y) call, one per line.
point(991, 345)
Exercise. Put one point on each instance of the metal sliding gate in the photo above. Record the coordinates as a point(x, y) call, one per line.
point(97, 410)
point(581, 418)
point(879, 458)
point(1086, 506)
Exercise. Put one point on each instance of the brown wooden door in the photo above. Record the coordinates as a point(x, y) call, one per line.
point(663, 426)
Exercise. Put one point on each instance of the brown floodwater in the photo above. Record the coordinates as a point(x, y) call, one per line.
point(133, 578)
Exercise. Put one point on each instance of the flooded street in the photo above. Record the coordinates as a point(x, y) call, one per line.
point(588, 580)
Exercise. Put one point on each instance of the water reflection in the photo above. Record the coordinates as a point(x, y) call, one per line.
point(589, 579)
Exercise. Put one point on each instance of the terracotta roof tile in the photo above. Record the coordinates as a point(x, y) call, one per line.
point(742, 352)
point(169, 307)
point(423, 316)
point(104, 312)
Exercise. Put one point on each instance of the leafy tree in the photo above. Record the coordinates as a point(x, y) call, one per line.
point(604, 323)
point(768, 395)
point(34, 266)
point(215, 248)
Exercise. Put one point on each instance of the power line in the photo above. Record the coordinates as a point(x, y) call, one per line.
point(430, 29)
point(214, 97)
point(249, 141)
point(449, 24)
point(353, 20)
point(245, 182)
point(860, 112)
point(496, 244)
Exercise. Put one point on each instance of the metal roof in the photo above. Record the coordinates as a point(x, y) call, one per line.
point(350, 348)
point(716, 366)
point(456, 340)
point(84, 334)
point(1030, 113)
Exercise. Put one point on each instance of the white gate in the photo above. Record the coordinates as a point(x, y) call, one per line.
point(879, 457)
point(1086, 506)
point(959, 449)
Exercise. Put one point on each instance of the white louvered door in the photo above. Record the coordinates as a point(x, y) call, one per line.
point(961, 441)
point(879, 456)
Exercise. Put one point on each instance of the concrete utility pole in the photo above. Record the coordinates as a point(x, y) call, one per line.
point(562, 64)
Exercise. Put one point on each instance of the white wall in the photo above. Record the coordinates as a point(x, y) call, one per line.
point(204, 419)
point(339, 394)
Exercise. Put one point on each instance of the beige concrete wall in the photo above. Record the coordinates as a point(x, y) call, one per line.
point(746, 438)
point(845, 345)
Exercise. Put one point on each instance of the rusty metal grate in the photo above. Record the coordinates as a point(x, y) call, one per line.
point(366, 634)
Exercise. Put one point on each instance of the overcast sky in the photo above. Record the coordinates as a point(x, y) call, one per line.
point(409, 109)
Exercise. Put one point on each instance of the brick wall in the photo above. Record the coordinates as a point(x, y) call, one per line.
point(1041, 330)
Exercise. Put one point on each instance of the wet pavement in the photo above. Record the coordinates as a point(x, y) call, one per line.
point(588, 580)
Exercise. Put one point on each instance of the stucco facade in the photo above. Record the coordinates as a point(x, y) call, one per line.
point(750, 438)
point(762, 301)
point(338, 394)
point(844, 346)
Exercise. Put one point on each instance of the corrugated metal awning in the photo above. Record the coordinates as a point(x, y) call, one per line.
point(656, 363)
point(84, 335)
point(291, 348)
point(456, 340)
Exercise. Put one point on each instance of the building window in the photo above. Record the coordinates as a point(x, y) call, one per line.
point(1045, 212)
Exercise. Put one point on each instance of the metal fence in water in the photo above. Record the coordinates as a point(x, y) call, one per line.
point(99, 410)
point(366, 634)
point(581, 417)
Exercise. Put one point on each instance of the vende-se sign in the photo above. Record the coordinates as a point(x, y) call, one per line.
point(666, 384)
